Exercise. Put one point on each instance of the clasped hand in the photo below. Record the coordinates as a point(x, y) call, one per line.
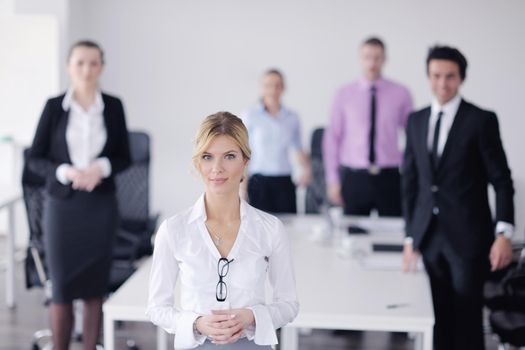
point(225, 326)
point(86, 179)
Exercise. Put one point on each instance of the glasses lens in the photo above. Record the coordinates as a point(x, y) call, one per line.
point(223, 267)
point(221, 291)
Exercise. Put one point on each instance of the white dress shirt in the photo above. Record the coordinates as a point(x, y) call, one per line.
point(450, 110)
point(185, 250)
point(272, 138)
point(85, 136)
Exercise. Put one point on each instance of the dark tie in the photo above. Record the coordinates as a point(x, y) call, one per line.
point(372, 138)
point(435, 141)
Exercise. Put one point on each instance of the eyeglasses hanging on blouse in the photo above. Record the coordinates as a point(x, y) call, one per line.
point(221, 291)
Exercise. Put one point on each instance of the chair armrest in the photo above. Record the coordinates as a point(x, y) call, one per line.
point(152, 223)
point(129, 237)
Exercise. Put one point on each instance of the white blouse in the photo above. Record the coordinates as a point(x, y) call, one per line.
point(86, 136)
point(185, 250)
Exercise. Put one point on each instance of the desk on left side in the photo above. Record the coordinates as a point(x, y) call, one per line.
point(9, 196)
point(128, 303)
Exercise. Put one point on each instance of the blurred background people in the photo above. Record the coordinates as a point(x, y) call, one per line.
point(275, 133)
point(81, 142)
point(453, 153)
point(361, 143)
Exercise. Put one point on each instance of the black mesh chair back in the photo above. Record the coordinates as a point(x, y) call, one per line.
point(33, 192)
point(316, 190)
point(133, 197)
point(133, 183)
point(504, 296)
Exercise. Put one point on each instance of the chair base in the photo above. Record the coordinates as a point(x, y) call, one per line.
point(42, 340)
point(509, 327)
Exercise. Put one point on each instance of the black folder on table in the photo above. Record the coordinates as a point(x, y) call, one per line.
point(387, 247)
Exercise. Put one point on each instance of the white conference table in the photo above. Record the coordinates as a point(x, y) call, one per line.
point(128, 303)
point(336, 290)
point(9, 195)
point(340, 291)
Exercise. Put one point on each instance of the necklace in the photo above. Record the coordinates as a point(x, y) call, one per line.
point(217, 240)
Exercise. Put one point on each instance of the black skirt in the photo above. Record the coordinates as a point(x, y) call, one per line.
point(79, 233)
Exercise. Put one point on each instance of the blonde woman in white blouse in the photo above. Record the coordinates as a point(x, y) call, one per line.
point(222, 250)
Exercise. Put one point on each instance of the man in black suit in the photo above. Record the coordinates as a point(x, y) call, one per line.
point(453, 153)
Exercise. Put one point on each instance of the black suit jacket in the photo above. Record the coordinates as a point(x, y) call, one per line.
point(472, 158)
point(49, 148)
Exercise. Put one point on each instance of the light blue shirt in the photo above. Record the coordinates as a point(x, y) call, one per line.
point(271, 139)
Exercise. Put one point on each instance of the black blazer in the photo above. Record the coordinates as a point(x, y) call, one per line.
point(472, 158)
point(49, 148)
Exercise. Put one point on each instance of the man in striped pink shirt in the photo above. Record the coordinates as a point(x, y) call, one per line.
point(361, 143)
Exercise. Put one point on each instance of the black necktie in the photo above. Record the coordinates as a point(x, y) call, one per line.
point(372, 138)
point(435, 141)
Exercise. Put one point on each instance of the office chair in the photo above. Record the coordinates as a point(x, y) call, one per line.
point(132, 197)
point(504, 295)
point(136, 224)
point(36, 274)
point(316, 190)
point(35, 269)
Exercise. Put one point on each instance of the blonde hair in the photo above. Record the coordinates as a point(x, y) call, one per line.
point(220, 123)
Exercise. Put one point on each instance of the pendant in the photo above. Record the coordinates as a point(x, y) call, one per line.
point(217, 240)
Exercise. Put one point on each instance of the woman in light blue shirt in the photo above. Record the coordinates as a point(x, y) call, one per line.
point(275, 132)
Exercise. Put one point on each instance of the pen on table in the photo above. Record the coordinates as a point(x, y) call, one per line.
point(395, 306)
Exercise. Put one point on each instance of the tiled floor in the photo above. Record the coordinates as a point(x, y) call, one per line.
point(17, 327)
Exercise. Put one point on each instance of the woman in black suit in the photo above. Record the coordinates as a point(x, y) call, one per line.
point(81, 142)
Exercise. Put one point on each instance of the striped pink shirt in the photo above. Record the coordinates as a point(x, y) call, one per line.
point(346, 139)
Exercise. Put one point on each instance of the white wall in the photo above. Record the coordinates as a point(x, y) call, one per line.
point(28, 75)
point(174, 62)
point(59, 10)
point(7, 6)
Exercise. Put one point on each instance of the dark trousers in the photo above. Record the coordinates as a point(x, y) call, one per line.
point(273, 194)
point(362, 191)
point(456, 282)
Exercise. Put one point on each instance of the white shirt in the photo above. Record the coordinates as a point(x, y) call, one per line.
point(272, 138)
point(450, 110)
point(85, 136)
point(185, 250)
